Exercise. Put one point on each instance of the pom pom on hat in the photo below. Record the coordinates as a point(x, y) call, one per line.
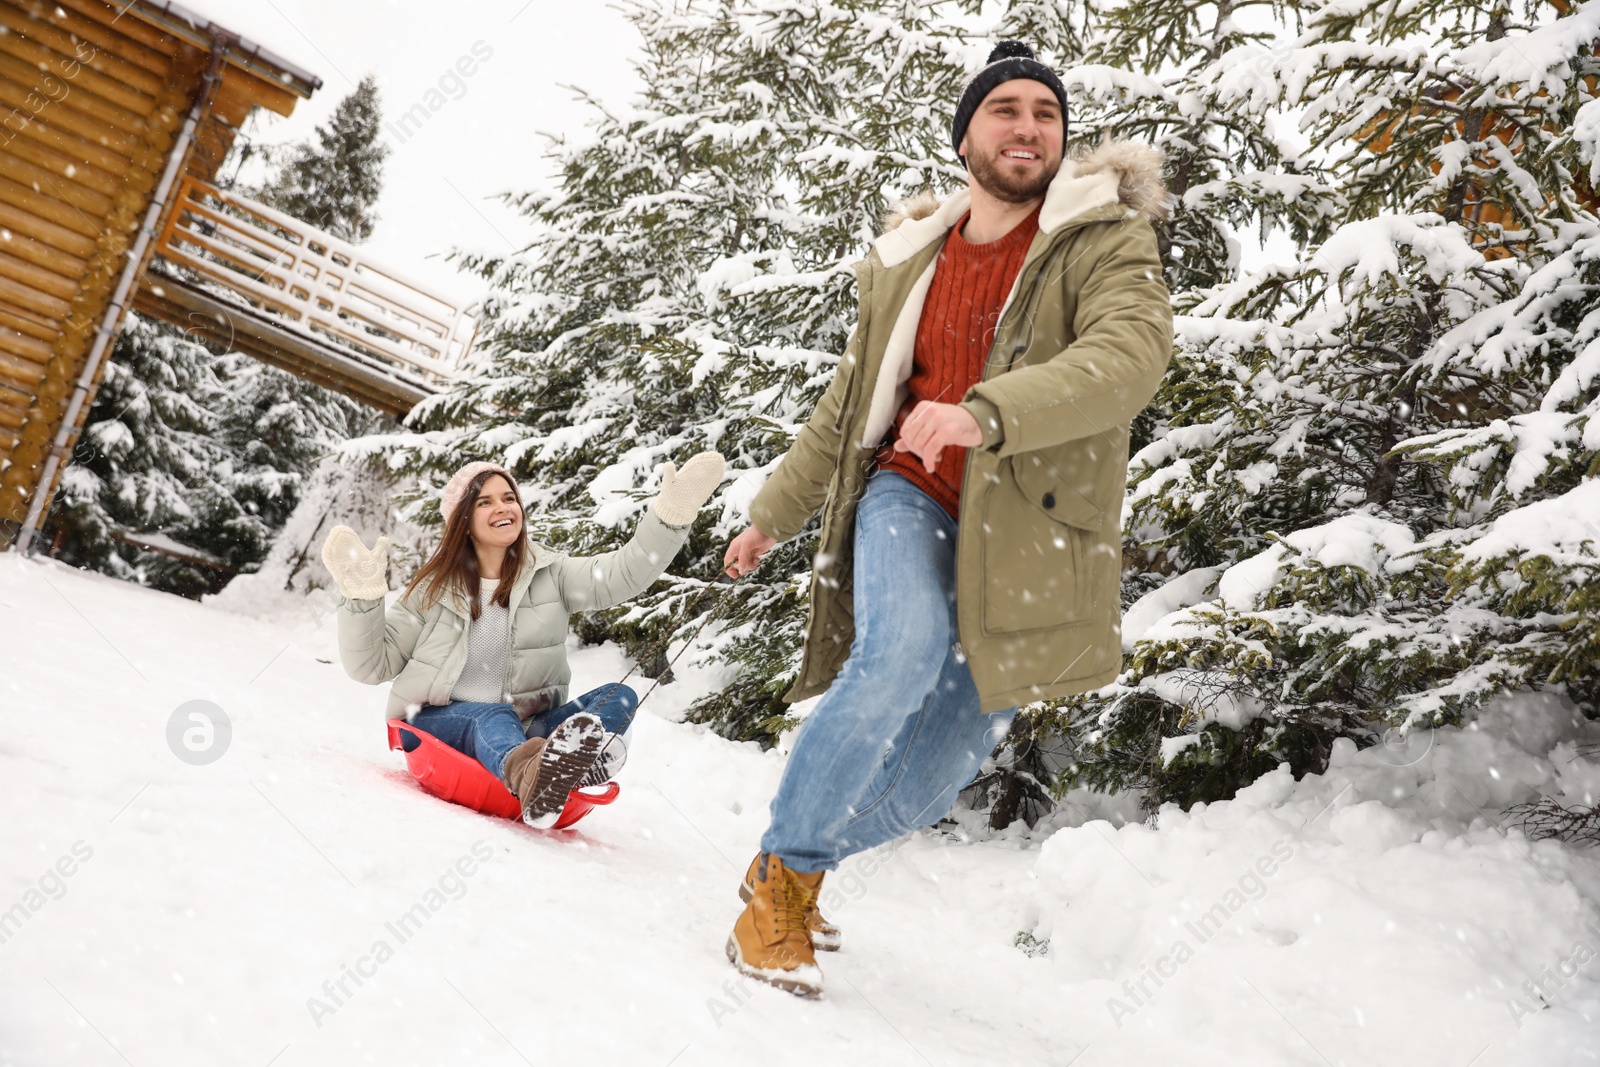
point(456, 488)
point(1008, 60)
point(1009, 50)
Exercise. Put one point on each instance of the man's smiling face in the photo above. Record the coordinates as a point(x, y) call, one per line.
point(1013, 144)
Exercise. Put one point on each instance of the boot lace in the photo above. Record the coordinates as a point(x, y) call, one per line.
point(790, 902)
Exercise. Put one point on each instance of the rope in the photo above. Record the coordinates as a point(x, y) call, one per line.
point(713, 591)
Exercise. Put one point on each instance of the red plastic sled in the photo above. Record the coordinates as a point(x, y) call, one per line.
point(460, 779)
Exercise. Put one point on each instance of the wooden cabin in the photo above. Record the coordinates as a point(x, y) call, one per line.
point(113, 121)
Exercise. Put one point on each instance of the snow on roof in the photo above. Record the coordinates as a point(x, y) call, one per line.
point(179, 20)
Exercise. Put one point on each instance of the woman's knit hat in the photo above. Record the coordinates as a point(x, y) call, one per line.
point(456, 488)
point(1010, 59)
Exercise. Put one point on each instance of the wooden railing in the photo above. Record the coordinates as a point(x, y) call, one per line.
point(314, 282)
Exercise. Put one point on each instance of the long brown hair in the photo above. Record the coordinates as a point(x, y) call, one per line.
point(453, 567)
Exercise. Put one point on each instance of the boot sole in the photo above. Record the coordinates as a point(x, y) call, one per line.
point(568, 754)
point(819, 943)
point(776, 979)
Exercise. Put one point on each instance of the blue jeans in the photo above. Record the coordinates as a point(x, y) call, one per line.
point(488, 732)
point(901, 731)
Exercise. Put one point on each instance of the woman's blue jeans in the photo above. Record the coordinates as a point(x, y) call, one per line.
point(488, 732)
point(901, 731)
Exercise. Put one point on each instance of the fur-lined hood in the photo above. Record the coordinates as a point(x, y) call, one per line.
point(1090, 178)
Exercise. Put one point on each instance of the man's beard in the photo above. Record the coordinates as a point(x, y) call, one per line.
point(986, 172)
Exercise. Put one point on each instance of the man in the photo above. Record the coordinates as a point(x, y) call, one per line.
point(970, 457)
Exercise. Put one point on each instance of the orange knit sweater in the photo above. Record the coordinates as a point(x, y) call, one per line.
point(970, 285)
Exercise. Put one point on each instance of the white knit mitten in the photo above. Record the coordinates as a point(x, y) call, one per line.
point(683, 492)
point(359, 572)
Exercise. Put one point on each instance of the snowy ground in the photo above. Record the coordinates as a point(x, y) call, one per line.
point(1377, 915)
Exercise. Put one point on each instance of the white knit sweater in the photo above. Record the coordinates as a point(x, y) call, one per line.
point(484, 676)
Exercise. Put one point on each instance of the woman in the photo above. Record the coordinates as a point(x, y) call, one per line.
point(476, 644)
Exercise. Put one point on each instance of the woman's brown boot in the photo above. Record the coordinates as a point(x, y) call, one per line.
point(542, 771)
point(522, 768)
point(770, 941)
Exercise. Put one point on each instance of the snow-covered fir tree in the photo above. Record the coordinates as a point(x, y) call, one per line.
point(1368, 506)
point(333, 178)
point(149, 465)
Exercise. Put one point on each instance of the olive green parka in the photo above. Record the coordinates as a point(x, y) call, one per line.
point(1082, 343)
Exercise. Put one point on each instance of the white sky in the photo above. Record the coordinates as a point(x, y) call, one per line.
point(483, 140)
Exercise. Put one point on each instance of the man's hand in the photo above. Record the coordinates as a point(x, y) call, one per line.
point(745, 551)
point(931, 427)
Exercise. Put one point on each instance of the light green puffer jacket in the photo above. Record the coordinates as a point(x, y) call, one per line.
point(425, 652)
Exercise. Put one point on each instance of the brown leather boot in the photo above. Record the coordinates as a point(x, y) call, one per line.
point(825, 937)
point(769, 941)
point(522, 769)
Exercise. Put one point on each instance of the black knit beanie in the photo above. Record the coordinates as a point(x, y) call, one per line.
point(1010, 59)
